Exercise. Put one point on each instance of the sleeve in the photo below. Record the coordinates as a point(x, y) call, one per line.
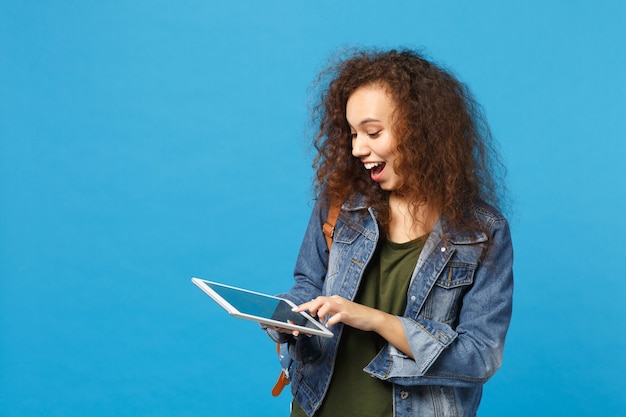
point(472, 352)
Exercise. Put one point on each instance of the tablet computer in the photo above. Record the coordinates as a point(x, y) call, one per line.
point(265, 309)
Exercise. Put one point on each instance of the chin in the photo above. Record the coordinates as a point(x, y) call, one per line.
point(387, 186)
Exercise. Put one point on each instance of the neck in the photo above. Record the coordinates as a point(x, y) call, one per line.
point(406, 224)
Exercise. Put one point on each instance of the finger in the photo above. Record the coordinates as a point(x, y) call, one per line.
point(334, 319)
point(327, 309)
point(302, 307)
point(284, 330)
point(310, 306)
point(293, 332)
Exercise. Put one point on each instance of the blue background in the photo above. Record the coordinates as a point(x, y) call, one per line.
point(146, 142)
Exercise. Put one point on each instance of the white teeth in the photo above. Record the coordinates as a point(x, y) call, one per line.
point(371, 165)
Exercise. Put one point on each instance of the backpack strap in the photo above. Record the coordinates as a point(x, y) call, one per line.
point(285, 361)
point(329, 227)
point(329, 231)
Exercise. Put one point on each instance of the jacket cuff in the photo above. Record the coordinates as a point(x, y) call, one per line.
point(426, 338)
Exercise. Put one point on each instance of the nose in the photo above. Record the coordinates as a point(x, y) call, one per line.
point(360, 147)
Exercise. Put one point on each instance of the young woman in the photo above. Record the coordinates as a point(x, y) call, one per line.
point(417, 287)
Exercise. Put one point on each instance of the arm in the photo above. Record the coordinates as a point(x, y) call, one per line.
point(310, 269)
point(337, 309)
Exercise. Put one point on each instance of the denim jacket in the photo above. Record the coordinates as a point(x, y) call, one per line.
point(458, 311)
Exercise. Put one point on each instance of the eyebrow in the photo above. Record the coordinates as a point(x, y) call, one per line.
point(366, 121)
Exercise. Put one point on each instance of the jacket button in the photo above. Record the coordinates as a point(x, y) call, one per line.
point(404, 395)
point(413, 298)
point(443, 249)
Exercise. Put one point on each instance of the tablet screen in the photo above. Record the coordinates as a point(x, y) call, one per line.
point(261, 307)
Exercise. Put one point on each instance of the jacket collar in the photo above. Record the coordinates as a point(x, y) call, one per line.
point(442, 227)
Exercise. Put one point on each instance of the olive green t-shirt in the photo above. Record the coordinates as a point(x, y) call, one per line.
point(353, 392)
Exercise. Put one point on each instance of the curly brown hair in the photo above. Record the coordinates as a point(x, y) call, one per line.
point(446, 156)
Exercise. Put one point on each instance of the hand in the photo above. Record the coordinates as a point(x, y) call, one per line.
point(288, 331)
point(335, 309)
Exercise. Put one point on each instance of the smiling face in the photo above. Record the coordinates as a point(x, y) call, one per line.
point(369, 112)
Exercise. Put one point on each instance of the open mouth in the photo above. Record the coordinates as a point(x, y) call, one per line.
point(376, 169)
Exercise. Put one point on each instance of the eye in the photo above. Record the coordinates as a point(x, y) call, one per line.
point(374, 135)
point(352, 135)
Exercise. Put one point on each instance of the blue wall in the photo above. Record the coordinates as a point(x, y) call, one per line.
point(146, 142)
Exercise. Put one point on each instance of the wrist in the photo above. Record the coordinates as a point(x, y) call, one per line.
point(381, 322)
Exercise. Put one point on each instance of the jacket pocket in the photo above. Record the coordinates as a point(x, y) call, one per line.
point(444, 300)
point(456, 274)
point(346, 234)
point(342, 250)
